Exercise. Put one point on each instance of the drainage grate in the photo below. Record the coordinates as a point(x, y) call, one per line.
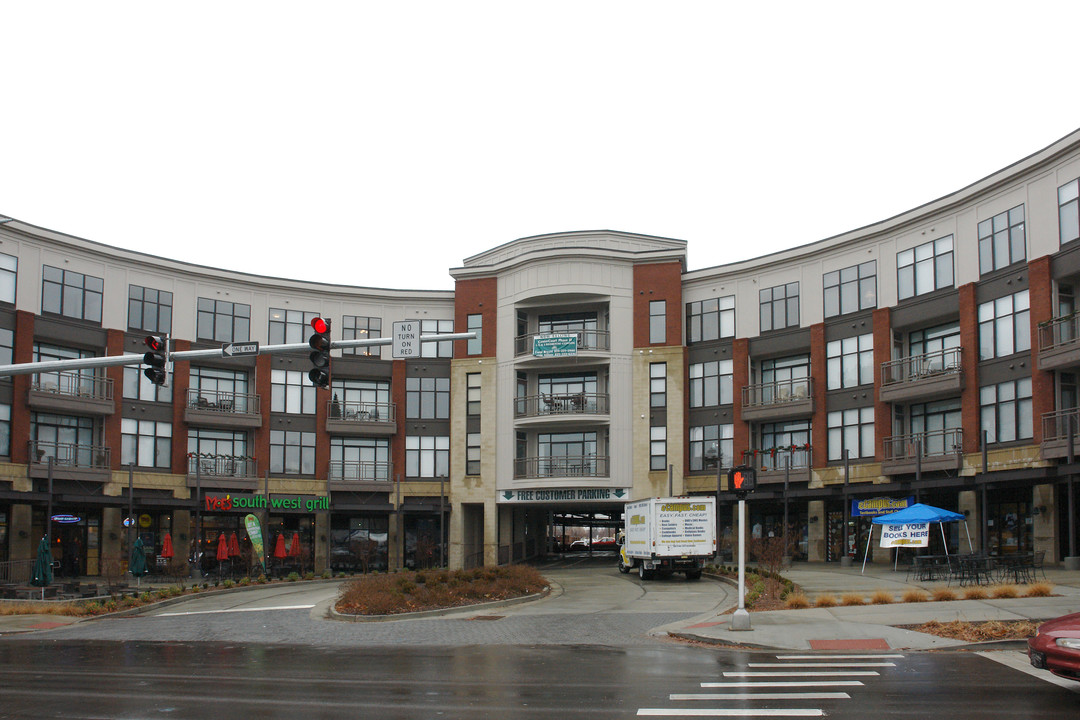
point(488, 617)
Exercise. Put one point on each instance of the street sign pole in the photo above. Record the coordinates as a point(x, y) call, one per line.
point(741, 619)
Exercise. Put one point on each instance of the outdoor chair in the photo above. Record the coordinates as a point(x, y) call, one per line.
point(1038, 565)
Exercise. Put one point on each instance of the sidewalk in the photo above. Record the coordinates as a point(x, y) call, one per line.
point(873, 627)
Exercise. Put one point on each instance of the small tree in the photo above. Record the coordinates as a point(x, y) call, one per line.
point(335, 407)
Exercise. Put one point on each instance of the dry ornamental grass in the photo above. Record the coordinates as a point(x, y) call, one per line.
point(979, 632)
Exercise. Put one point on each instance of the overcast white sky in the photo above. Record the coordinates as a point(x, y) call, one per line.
point(399, 138)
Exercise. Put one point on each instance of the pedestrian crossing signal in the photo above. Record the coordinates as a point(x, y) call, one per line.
point(742, 479)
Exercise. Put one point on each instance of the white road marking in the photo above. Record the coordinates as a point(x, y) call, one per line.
point(821, 664)
point(820, 673)
point(761, 696)
point(732, 712)
point(783, 683)
point(837, 657)
point(1018, 660)
point(235, 610)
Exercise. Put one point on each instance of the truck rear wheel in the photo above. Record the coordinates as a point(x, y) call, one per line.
point(693, 574)
point(643, 573)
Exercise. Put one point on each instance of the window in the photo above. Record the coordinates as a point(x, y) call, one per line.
point(1006, 410)
point(657, 321)
point(292, 452)
point(1069, 211)
point(657, 385)
point(851, 430)
point(1004, 326)
point(779, 307)
point(657, 447)
point(427, 456)
point(145, 443)
point(851, 289)
point(711, 447)
point(443, 349)
point(710, 319)
point(356, 458)
point(785, 378)
point(935, 420)
point(850, 362)
point(934, 340)
point(71, 294)
point(568, 453)
point(472, 394)
point(290, 326)
point(9, 266)
point(476, 324)
point(472, 454)
point(361, 327)
point(291, 392)
point(1001, 240)
point(223, 321)
point(5, 430)
point(427, 398)
point(69, 439)
point(227, 443)
point(711, 383)
point(925, 268)
point(362, 396)
point(7, 346)
point(149, 309)
point(785, 442)
point(217, 385)
point(66, 381)
point(138, 387)
point(583, 324)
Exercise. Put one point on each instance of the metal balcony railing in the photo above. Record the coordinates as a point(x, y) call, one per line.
point(222, 465)
point(70, 455)
point(362, 411)
point(223, 402)
point(561, 466)
point(74, 384)
point(1059, 332)
point(777, 392)
point(561, 404)
point(1057, 425)
point(360, 471)
point(919, 367)
point(586, 340)
point(935, 443)
point(798, 457)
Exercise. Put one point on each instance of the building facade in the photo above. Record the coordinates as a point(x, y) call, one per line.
point(932, 356)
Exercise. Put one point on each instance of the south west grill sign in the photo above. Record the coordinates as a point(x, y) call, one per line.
point(242, 503)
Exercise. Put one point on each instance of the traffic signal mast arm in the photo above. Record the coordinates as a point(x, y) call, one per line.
point(119, 360)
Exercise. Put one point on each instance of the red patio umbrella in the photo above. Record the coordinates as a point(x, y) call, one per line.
point(294, 546)
point(279, 547)
point(234, 546)
point(222, 547)
point(166, 546)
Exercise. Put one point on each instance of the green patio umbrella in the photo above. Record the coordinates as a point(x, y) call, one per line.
point(42, 566)
point(137, 563)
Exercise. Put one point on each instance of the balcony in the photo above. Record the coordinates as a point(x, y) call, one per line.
point(222, 472)
point(1056, 427)
point(70, 461)
point(587, 341)
point(775, 464)
point(1059, 343)
point(560, 406)
point(227, 410)
point(928, 451)
point(779, 400)
point(360, 476)
point(71, 393)
point(563, 467)
point(361, 418)
point(932, 375)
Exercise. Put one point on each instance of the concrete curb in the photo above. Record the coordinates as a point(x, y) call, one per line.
point(333, 614)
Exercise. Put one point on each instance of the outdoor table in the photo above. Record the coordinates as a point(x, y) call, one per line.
point(1017, 568)
point(931, 567)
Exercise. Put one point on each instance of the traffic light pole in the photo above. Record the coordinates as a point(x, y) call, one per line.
point(741, 619)
point(119, 360)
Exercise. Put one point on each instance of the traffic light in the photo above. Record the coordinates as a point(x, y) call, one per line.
point(320, 355)
point(156, 359)
point(742, 479)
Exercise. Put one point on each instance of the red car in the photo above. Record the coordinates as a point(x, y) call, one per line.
point(1056, 646)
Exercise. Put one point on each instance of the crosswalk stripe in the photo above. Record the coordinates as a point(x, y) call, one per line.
point(730, 712)
point(783, 683)
point(761, 696)
point(819, 673)
point(234, 610)
point(838, 657)
point(822, 664)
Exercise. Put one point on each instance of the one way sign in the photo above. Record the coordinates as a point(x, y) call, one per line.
point(240, 349)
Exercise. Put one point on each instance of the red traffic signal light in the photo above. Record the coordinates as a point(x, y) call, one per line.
point(156, 359)
point(320, 356)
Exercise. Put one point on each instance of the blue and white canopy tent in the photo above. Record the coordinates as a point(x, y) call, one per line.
point(919, 514)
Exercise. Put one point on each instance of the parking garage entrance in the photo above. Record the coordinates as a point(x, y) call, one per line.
point(531, 529)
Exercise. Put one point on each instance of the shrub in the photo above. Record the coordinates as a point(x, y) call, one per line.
point(975, 593)
point(851, 599)
point(1040, 590)
point(881, 597)
point(145, 597)
point(293, 576)
point(261, 580)
point(309, 575)
point(942, 595)
point(914, 595)
point(825, 600)
point(326, 574)
point(797, 601)
point(110, 605)
point(341, 575)
point(245, 581)
point(1004, 591)
point(228, 583)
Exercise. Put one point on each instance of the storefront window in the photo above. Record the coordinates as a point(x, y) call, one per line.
point(359, 543)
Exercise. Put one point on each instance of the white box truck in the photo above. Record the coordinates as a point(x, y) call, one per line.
point(667, 535)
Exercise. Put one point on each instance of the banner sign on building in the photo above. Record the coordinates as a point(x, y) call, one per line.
point(254, 531)
point(555, 345)
point(545, 495)
point(914, 535)
point(874, 507)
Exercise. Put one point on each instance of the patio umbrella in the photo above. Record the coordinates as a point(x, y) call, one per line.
point(222, 547)
point(42, 574)
point(166, 547)
point(294, 546)
point(234, 546)
point(279, 547)
point(137, 562)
